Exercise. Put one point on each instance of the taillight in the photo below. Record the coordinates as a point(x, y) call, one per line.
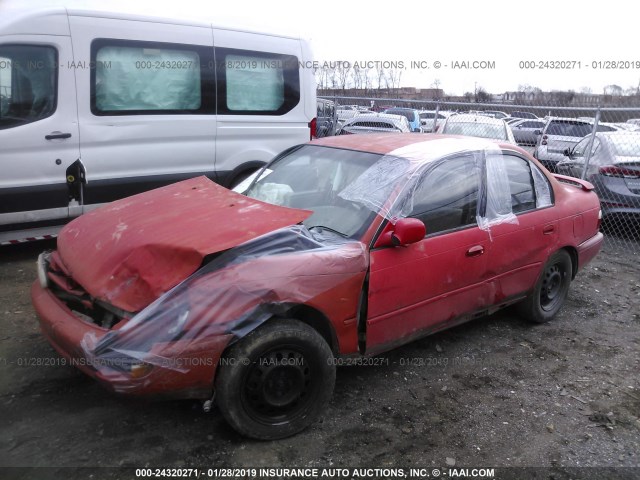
point(313, 129)
point(544, 140)
point(599, 218)
point(613, 171)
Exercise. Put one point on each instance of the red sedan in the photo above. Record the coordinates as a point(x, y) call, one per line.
point(348, 245)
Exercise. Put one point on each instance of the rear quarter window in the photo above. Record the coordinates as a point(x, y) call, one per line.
point(256, 83)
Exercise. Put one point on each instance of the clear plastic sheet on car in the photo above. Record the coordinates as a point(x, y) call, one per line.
point(231, 296)
point(388, 186)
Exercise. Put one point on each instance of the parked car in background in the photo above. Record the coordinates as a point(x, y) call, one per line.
point(560, 134)
point(375, 123)
point(524, 130)
point(495, 114)
point(614, 171)
point(428, 121)
point(630, 127)
point(346, 246)
point(478, 126)
point(412, 115)
point(344, 114)
point(326, 117)
point(518, 114)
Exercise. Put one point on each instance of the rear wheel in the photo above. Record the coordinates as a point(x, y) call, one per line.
point(550, 291)
point(276, 381)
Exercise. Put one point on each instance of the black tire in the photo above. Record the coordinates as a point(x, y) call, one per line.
point(276, 381)
point(550, 291)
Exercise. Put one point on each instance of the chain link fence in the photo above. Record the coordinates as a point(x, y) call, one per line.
point(600, 145)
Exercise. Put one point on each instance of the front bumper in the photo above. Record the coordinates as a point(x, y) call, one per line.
point(187, 369)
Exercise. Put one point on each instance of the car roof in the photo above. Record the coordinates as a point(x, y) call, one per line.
point(374, 117)
point(386, 143)
point(568, 119)
point(620, 134)
point(471, 118)
point(403, 108)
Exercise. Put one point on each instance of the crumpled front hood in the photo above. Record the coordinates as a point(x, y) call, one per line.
point(131, 251)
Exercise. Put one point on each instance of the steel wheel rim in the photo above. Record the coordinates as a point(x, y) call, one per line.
point(552, 287)
point(278, 386)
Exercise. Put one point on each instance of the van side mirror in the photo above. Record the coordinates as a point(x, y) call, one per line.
point(405, 232)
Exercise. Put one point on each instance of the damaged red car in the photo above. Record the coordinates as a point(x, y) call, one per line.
point(345, 246)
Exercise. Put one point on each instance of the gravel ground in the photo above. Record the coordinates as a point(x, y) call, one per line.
point(496, 392)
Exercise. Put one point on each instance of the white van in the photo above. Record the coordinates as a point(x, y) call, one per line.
point(97, 106)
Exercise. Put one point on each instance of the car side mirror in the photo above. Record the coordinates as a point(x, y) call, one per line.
point(405, 232)
point(567, 152)
point(538, 132)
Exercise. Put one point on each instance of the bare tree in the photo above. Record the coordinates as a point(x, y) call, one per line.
point(342, 74)
point(393, 77)
point(482, 96)
point(357, 76)
point(615, 90)
point(380, 77)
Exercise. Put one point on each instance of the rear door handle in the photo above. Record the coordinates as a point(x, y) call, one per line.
point(548, 229)
point(475, 251)
point(56, 135)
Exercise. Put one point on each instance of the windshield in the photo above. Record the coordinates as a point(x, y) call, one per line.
point(312, 177)
point(473, 129)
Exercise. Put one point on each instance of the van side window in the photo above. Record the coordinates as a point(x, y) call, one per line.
point(256, 83)
point(28, 84)
point(142, 78)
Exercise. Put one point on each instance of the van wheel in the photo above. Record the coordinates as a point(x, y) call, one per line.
point(276, 381)
point(550, 291)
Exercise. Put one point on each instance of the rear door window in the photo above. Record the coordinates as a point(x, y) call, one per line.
point(142, 78)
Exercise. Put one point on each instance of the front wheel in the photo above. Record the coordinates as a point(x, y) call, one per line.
point(276, 381)
point(550, 291)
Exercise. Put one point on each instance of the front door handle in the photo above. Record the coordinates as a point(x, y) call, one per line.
point(475, 251)
point(57, 135)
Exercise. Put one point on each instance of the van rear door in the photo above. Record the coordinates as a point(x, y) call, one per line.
point(39, 138)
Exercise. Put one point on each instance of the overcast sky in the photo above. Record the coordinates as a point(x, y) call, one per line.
point(500, 31)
